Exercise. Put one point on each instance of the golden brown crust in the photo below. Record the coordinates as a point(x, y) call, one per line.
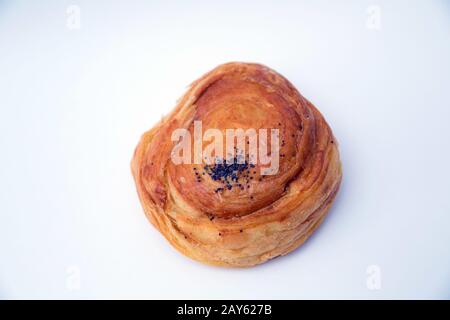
point(264, 217)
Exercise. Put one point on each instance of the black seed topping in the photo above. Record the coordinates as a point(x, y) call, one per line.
point(231, 172)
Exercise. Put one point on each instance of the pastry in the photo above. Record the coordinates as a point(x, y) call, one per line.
point(215, 197)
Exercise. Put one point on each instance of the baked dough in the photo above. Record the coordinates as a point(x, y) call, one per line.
point(261, 216)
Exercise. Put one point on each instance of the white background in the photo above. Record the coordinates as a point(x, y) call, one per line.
point(74, 102)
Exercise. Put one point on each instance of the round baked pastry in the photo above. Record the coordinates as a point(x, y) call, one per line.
point(238, 207)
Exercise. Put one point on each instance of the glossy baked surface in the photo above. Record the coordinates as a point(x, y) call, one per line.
point(235, 215)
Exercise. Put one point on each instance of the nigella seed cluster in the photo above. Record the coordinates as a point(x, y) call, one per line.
point(235, 172)
point(231, 174)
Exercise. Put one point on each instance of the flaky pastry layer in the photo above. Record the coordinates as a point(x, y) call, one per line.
point(260, 217)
